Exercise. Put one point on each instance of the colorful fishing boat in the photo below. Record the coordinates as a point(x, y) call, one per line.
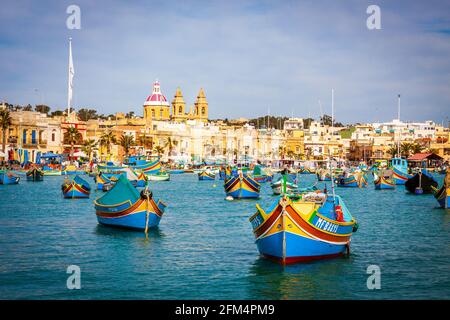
point(421, 183)
point(260, 175)
point(353, 180)
point(400, 171)
point(152, 167)
point(52, 172)
point(159, 176)
point(316, 226)
point(323, 175)
point(76, 188)
point(206, 176)
point(35, 174)
point(101, 180)
point(383, 180)
point(241, 186)
point(8, 177)
point(442, 194)
point(277, 187)
point(124, 206)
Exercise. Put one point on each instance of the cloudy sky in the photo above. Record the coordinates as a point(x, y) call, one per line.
point(249, 56)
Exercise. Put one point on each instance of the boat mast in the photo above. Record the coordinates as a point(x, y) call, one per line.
point(400, 136)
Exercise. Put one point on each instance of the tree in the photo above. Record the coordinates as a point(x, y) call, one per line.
point(42, 108)
point(392, 151)
point(28, 108)
point(126, 141)
point(87, 114)
point(281, 151)
point(307, 122)
point(88, 147)
point(170, 144)
point(416, 148)
point(144, 140)
point(326, 120)
point(107, 139)
point(57, 113)
point(72, 136)
point(159, 150)
point(405, 149)
point(130, 115)
point(5, 123)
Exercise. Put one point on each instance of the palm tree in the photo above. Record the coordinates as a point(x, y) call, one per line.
point(88, 147)
point(72, 136)
point(290, 154)
point(281, 151)
point(416, 148)
point(5, 123)
point(159, 150)
point(126, 141)
point(405, 148)
point(107, 139)
point(392, 151)
point(170, 144)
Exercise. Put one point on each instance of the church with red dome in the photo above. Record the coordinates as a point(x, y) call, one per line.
point(157, 108)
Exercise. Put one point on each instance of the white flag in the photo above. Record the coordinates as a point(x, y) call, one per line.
point(71, 74)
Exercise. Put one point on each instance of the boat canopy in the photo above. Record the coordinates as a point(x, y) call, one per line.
point(122, 191)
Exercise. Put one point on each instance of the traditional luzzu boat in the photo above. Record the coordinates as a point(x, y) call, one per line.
point(241, 186)
point(357, 179)
point(101, 180)
point(400, 170)
point(421, 183)
point(323, 175)
point(8, 177)
point(260, 175)
point(152, 167)
point(76, 188)
point(35, 174)
point(442, 194)
point(141, 180)
point(312, 227)
point(50, 171)
point(277, 187)
point(159, 176)
point(124, 206)
point(206, 175)
point(383, 180)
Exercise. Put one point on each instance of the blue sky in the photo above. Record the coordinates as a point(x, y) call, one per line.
point(248, 56)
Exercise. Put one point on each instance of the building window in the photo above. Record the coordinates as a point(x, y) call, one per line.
point(160, 113)
point(24, 136)
point(180, 110)
point(153, 113)
point(203, 111)
point(53, 137)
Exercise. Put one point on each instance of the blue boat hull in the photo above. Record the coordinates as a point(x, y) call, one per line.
point(4, 179)
point(298, 248)
point(133, 221)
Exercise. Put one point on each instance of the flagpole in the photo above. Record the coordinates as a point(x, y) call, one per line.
point(70, 79)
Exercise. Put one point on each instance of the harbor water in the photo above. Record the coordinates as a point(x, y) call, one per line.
point(204, 247)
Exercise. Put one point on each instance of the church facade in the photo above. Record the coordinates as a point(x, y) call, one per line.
point(157, 108)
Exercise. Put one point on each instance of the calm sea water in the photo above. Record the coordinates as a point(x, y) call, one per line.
point(204, 248)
